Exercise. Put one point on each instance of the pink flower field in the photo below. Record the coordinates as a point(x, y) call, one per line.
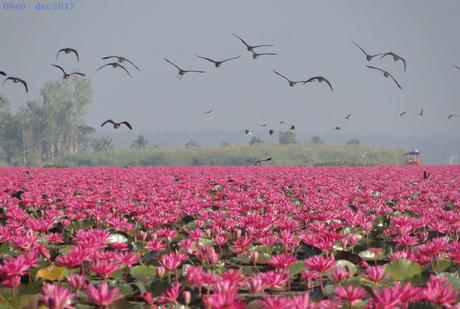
point(230, 237)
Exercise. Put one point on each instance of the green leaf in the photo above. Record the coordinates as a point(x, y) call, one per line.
point(441, 265)
point(453, 279)
point(403, 269)
point(296, 268)
point(53, 273)
point(143, 272)
point(369, 255)
point(348, 265)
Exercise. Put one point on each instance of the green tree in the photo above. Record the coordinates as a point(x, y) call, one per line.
point(287, 137)
point(140, 142)
point(102, 143)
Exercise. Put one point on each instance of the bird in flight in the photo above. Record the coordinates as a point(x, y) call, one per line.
point(17, 80)
point(259, 162)
point(264, 124)
point(247, 132)
point(2, 73)
point(115, 65)
point(457, 67)
point(68, 51)
point(396, 58)
point(347, 116)
point(368, 57)
point(386, 74)
point(257, 55)
point(292, 127)
point(337, 128)
point(121, 59)
point(452, 116)
point(251, 47)
point(319, 79)
point(421, 113)
point(271, 131)
point(217, 63)
point(402, 114)
point(282, 122)
point(3, 100)
point(66, 75)
point(181, 71)
point(209, 111)
point(291, 83)
point(116, 125)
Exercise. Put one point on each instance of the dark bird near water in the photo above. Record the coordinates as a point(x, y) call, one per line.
point(421, 113)
point(256, 55)
point(121, 59)
point(68, 51)
point(2, 73)
point(282, 122)
point(271, 132)
point(457, 67)
point(402, 114)
point(115, 65)
point(319, 79)
point(116, 125)
point(368, 57)
point(251, 47)
point(259, 162)
point(209, 111)
point(66, 75)
point(386, 74)
point(217, 63)
point(17, 80)
point(292, 127)
point(181, 71)
point(247, 132)
point(426, 175)
point(347, 116)
point(291, 83)
point(337, 128)
point(452, 116)
point(396, 58)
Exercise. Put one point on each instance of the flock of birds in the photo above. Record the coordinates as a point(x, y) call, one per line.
point(118, 61)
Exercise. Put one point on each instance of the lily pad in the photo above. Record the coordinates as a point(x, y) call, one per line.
point(53, 273)
point(403, 269)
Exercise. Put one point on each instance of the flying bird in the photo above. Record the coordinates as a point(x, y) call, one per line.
point(217, 63)
point(421, 113)
point(17, 80)
point(292, 128)
point(251, 47)
point(256, 55)
point(115, 65)
point(452, 115)
point(291, 83)
point(3, 100)
point(337, 128)
point(68, 51)
point(396, 58)
point(259, 162)
point(181, 71)
point(386, 74)
point(457, 67)
point(2, 73)
point(116, 125)
point(247, 132)
point(264, 124)
point(271, 132)
point(66, 75)
point(347, 116)
point(368, 57)
point(209, 111)
point(402, 114)
point(319, 79)
point(121, 59)
point(282, 122)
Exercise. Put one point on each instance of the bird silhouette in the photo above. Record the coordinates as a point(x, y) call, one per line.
point(68, 51)
point(2, 73)
point(259, 161)
point(66, 75)
point(121, 59)
point(117, 125)
point(271, 131)
point(421, 113)
point(368, 57)
point(347, 116)
point(181, 71)
point(396, 58)
point(386, 74)
point(319, 79)
point(291, 83)
point(251, 47)
point(257, 55)
point(264, 124)
point(282, 122)
point(292, 128)
point(209, 111)
point(247, 132)
point(337, 128)
point(426, 175)
point(452, 116)
point(402, 114)
point(115, 65)
point(217, 63)
point(17, 80)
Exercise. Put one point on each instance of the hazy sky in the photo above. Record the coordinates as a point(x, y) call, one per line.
point(311, 38)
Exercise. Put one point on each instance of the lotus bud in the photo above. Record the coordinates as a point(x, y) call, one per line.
point(254, 256)
point(187, 297)
point(160, 271)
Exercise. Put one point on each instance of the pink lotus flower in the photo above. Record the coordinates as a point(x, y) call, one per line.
point(282, 260)
point(77, 282)
point(375, 273)
point(171, 295)
point(440, 292)
point(102, 296)
point(339, 274)
point(319, 263)
point(223, 300)
point(172, 260)
point(256, 283)
point(56, 297)
point(104, 268)
point(275, 279)
point(155, 245)
point(350, 293)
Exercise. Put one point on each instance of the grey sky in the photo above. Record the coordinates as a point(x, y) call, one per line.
point(310, 37)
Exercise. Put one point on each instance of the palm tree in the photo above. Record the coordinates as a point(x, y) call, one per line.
point(140, 142)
